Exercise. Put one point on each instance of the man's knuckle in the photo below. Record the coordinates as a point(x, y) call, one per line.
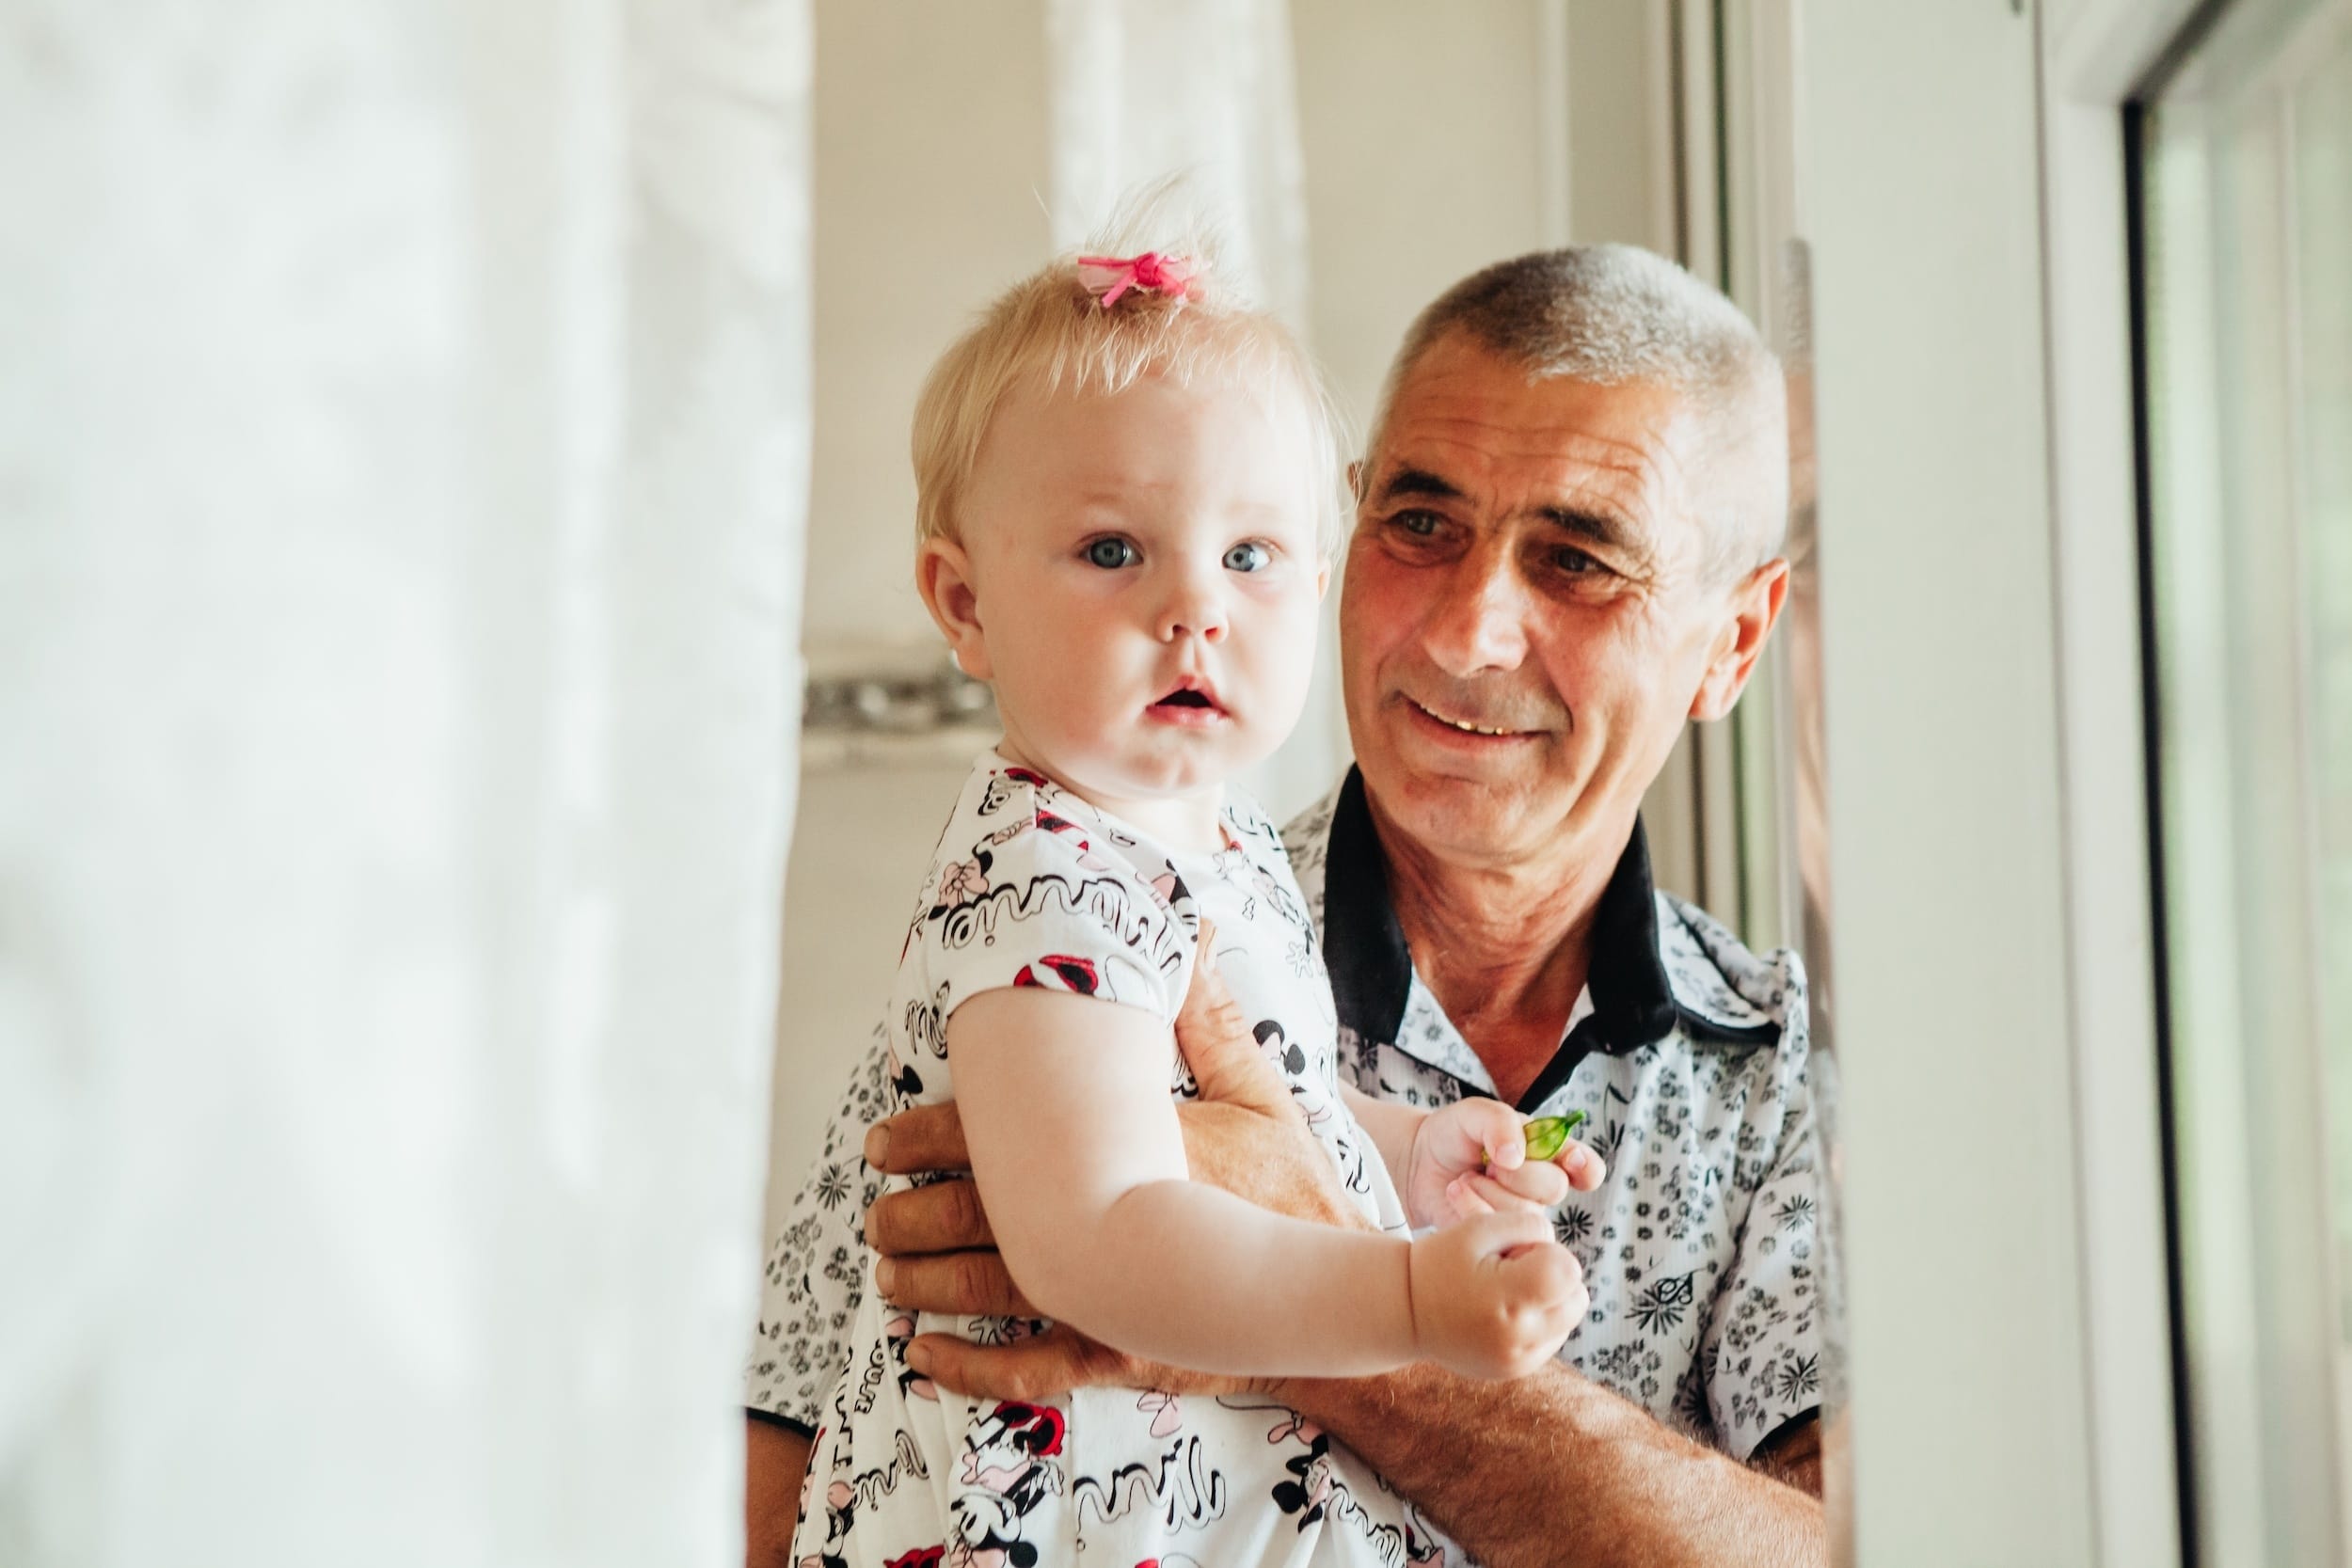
point(914, 1141)
point(964, 1211)
point(970, 1280)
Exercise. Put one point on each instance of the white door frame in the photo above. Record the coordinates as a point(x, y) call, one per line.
point(2008, 1278)
point(2095, 54)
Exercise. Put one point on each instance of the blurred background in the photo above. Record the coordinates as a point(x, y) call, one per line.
point(461, 696)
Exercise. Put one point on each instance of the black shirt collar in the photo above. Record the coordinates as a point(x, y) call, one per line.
point(1372, 970)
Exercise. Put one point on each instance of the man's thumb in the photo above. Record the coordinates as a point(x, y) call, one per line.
point(1217, 1044)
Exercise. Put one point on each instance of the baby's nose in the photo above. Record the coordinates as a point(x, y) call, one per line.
point(1194, 610)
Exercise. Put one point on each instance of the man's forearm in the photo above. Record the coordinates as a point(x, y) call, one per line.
point(1553, 1471)
point(774, 1459)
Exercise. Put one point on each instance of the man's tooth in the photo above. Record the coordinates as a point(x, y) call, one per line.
point(1456, 723)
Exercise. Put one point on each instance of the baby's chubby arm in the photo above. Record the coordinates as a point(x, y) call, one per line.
point(1080, 1163)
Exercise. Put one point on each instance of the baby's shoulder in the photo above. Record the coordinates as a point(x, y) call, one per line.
point(1014, 820)
point(1031, 880)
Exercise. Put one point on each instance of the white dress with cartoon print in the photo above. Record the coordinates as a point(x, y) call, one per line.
point(1031, 886)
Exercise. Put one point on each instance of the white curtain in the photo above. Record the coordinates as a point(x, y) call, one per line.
point(402, 454)
point(1142, 89)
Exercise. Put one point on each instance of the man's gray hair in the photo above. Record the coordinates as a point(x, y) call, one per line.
point(1612, 314)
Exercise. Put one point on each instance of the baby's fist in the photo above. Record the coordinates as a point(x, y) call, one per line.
point(1495, 1296)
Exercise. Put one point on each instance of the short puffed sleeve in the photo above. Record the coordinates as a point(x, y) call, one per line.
point(1032, 891)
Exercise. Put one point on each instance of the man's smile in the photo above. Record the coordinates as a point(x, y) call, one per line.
point(1470, 729)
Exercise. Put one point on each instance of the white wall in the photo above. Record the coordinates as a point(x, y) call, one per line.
point(1918, 152)
point(930, 148)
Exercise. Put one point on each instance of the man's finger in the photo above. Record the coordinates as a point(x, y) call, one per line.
point(961, 1284)
point(920, 1138)
point(1029, 1371)
point(944, 1216)
point(1218, 1045)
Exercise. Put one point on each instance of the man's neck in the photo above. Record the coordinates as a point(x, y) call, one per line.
point(1504, 950)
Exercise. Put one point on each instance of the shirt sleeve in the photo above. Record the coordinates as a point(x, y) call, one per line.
point(815, 1269)
point(1762, 1353)
point(1043, 902)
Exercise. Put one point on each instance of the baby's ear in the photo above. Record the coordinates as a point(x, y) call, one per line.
point(943, 576)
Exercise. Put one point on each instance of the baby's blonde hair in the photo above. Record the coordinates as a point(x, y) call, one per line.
point(1049, 331)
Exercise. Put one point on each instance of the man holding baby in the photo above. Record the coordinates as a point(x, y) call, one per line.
point(1566, 542)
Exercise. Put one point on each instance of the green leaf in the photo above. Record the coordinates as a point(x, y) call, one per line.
point(1548, 1136)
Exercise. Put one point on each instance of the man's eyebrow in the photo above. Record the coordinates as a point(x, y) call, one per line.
point(1422, 483)
point(1606, 529)
point(1601, 527)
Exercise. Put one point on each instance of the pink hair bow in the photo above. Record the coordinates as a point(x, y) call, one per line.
point(1107, 277)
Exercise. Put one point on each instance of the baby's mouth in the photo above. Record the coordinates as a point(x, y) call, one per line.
point(1193, 701)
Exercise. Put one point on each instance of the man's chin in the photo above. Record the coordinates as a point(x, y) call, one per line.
point(1475, 812)
point(1425, 756)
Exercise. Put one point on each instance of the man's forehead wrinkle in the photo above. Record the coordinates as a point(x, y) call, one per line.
point(1451, 456)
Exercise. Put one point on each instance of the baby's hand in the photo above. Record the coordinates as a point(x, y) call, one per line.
point(1470, 1158)
point(1495, 1296)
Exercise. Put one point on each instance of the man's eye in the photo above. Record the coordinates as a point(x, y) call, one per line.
point(1574, 562)
point(1249, 556)
point(1111, 553)
point(1421, 523)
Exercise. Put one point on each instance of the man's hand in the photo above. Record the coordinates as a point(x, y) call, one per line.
point(1793, 1456)
point(936, 1253)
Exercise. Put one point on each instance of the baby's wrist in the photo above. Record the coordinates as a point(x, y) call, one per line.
point(1415, 1347)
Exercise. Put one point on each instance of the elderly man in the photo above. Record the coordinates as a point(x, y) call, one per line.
point(1567, 543)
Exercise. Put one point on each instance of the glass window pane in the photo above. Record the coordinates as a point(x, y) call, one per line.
point(2246, 201)
point(2322, 152)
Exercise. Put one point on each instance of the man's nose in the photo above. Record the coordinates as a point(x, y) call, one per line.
point(1195, 607)
point(1481, 621)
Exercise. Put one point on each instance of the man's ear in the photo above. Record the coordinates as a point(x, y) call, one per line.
point(1752, 609)
point(943, 574)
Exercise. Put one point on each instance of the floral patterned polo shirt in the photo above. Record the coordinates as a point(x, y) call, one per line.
point(1686, 1054)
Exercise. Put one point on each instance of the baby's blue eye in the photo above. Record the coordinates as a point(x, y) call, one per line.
point(1111, 553)
point(1249, 557)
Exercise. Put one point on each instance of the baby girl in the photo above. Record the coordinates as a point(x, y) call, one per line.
point(1129, 497)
